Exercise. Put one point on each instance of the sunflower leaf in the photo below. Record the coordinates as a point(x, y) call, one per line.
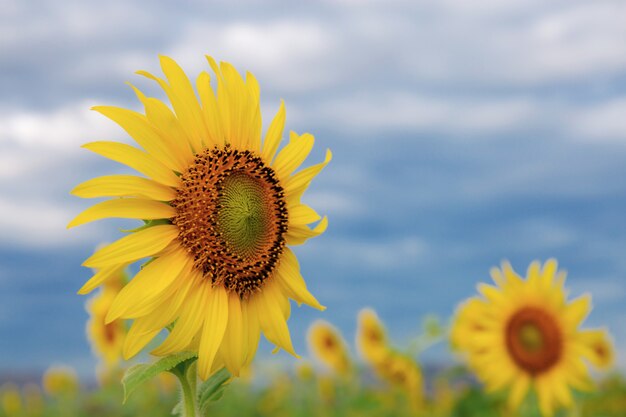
point(138, 374)
point(212, 389)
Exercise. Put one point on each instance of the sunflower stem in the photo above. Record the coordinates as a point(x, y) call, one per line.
point(187, 379)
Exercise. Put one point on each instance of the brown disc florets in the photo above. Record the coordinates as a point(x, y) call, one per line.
point(232, 217)
point(534, 340)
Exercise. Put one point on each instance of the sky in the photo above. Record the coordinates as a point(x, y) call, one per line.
point(463, 134)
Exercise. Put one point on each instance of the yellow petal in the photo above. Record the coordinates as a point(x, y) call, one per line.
point(519, 390)
point(252, 331)
point(274, 134)
point(124, 186)
point(239, 114)
point(186, 103)
point(140, 129)
point(292, 155)
point(127, 208)
point(545, 396)
point(215, 321)
point(189, 322)
point(302, 214)
point(145, 328)
point(210, 111)
point(254, 132)
point(101, 276)
point(148, 287)
point(133, 247)
point(289, 277)
point(136, 159)
point(175, 139)
point(297, 235)
point(233, 349)
point(272, 320)
point(577, 310)
point(296, 185)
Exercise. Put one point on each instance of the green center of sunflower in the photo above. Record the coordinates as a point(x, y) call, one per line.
point(245, 216)
point(232, 217)
point(534, 340)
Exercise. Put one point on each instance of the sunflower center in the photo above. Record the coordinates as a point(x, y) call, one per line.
point(533, 340)
point(232, 217)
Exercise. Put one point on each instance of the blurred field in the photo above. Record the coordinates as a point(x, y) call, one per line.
point(297, 393)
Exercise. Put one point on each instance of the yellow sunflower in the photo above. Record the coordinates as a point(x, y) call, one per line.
point(524, 334)
point(371, 337)
point(220, 206)
point(403, 373)
point(326, 343)
point(60, 380)
point(106, 339)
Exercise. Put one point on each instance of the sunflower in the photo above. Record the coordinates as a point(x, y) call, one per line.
point(524, 334)
point(60, 380)
point(326, 343)
point(371, 337)
point(403, 373)
point(106, 339)
point(220, 206)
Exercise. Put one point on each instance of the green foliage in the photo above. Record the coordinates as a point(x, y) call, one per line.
point(212, 389)
point(139, 374)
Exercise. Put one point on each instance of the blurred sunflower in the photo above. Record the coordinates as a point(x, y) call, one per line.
point(371, 337)
point(220, 207)
point(524, 334)
point(403, 373)
point(326, 343)
point(106, 339)
point(60, 380)
point(599, 343)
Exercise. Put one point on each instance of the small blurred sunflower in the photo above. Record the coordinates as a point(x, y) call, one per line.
point(106, 339)
point(60, 380)
point(327, 344)
point(523, 334)
point(221, 207)
point(371, 337)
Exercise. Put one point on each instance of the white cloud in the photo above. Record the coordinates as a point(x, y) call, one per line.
point(289, 54)
point(604, 121)
point(362, 112)
point(62, 128)
point(37, 223)
point(383, 254)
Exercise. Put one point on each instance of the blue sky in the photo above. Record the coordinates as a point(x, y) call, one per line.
point(463, 133)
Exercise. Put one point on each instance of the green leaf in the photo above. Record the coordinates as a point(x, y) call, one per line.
point(212, 389)
point(138, 374)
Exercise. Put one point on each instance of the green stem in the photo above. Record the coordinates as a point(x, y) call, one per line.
point(188, 389)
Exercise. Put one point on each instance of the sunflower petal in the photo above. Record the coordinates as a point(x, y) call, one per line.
point(297, 235)
point(293, 155)
point(133, 247)
point(140, 129)
point(272, 320)
point(213, 329)
point(289, 277)
point(127, 208)
point(150, 286)
point(577, 311)
point(136, 159)
point(210, 111)
point(101, 276)
point(302, 214)
point(274, 134)
point(252, 331)
point(233, 348)
point(123, 186)
point(188, 323)
point(298, 183)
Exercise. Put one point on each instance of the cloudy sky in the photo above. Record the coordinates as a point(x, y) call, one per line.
point(463, 133)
